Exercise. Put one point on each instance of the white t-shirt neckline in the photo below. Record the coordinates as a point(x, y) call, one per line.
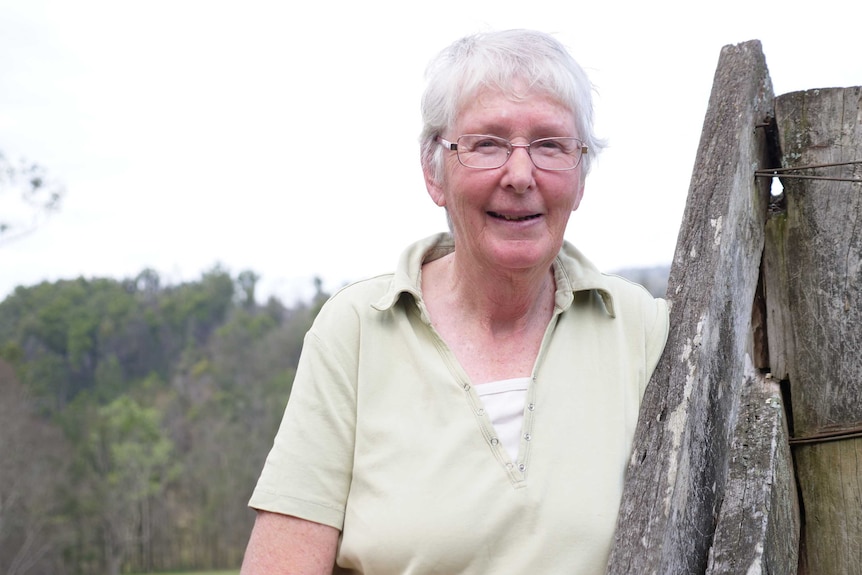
point(504, 401)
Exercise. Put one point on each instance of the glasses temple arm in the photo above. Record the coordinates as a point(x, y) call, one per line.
point(447, 144)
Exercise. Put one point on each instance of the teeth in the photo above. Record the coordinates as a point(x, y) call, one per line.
point(513, 218)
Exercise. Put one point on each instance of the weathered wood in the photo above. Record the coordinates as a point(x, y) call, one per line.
point(677, 477)
point(829, 480)
point(813, 278)
point(814, 261)
point(758, 525)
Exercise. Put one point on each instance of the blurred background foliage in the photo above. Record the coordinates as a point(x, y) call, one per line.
point(135, 418)
point(28, 193)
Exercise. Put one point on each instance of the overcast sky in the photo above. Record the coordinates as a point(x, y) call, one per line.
point(186, 132)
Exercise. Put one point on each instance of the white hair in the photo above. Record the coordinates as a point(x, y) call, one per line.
point(503, 61)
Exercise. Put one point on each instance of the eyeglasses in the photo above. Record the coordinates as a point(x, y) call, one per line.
point(488, 152)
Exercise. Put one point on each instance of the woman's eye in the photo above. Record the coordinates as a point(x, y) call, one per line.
point(551, 145)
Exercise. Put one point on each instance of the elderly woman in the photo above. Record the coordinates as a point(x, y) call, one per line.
point(473, 412)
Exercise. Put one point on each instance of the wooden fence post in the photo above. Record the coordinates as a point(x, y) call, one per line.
point(694, 477)
point(813, 277)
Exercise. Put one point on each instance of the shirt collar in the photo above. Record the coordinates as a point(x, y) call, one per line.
point(572, 272)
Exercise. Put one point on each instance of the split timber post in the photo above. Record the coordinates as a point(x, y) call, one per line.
point(813, 279)
point(692, 464)
point(765, 300)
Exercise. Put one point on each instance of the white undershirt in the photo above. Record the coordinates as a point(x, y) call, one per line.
point(504, 403)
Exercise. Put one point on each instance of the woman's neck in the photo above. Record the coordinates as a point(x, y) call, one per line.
point(499, 301)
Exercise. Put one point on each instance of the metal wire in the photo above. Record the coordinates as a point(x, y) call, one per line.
point(785, 172)
point(827, 436)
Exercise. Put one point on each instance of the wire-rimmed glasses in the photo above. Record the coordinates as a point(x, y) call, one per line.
point(484, 152)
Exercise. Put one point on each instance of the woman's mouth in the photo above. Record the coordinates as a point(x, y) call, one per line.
point(509, 218)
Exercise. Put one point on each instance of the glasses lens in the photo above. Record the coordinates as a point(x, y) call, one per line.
point(556, 153)
point(477, 151)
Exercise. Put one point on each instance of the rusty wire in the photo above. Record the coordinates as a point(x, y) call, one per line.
point(784, 172)
point(825, 436)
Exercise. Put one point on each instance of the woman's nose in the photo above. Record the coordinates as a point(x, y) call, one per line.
point(519, 169)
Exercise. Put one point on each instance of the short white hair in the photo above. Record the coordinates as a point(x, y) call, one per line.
point(503, 61)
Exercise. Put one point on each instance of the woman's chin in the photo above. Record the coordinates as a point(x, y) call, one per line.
point(522, 254)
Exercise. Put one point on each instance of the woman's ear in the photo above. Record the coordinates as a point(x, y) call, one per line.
point(434, 187)
point(579, 196)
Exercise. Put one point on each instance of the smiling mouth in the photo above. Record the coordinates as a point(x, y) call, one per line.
point(513, 218)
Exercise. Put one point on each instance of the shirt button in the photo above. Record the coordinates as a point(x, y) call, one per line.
point(466, 387)
point(521, 467)
point(528, 437)
point(531, 407)
point(494, 441)
point(480, 411)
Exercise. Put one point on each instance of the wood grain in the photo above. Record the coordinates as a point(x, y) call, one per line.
point(683, 476)
point(813, 279)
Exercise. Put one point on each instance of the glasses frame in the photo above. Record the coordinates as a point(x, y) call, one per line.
point(510, 147)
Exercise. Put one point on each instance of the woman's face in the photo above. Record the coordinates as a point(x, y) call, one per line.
point(512, 217)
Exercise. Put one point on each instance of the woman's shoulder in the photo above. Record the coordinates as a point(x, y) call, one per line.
point(618, 293)
point(358, 295)
point(634, 294)
point(382, 292)
point(635, 305)
point(629, 290)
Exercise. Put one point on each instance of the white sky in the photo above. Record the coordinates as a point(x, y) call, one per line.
point(185, 132)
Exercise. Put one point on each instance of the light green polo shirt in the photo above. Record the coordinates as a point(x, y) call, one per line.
point(385, 438)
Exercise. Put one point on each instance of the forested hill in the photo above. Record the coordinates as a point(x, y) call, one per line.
point(135, 419)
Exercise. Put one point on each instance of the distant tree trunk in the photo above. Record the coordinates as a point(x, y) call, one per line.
point(113, 553)
point(127, 458)
point(33, 463)
point(814, 295)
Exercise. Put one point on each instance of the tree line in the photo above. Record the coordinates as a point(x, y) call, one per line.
point(135, 418)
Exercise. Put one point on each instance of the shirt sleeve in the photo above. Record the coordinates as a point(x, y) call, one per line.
point(656, 329)
point(309, 469)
